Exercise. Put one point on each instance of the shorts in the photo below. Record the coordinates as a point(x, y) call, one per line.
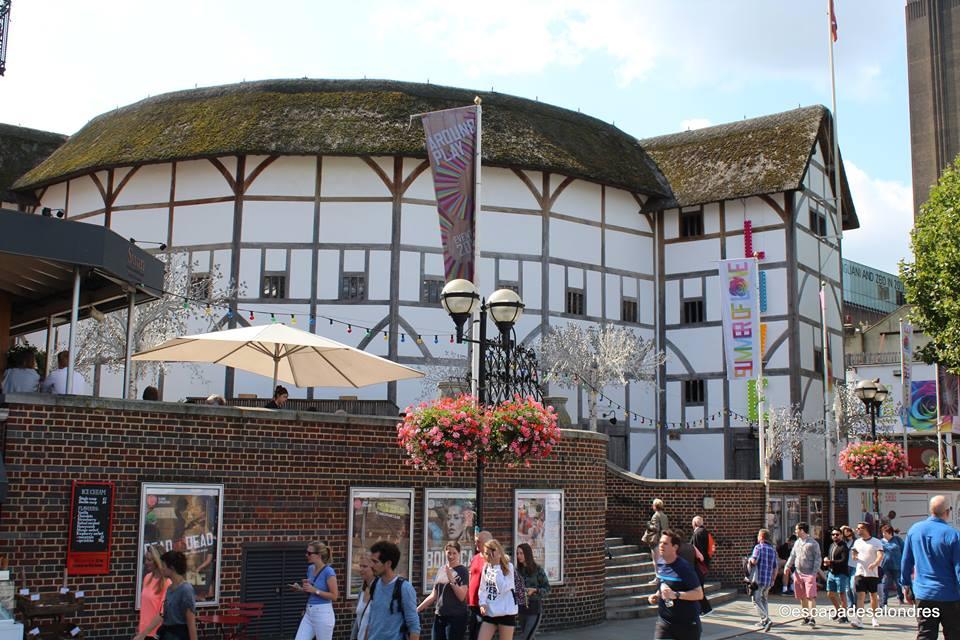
point(837, 583)
point(805, 586)
point(509, 621)
point(866, 584)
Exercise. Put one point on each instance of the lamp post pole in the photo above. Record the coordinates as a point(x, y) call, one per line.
point(874, 405)
point(872, 394)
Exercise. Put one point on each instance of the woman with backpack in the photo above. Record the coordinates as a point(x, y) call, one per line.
point(450, 595)
point(497, 596)
point(537, 586)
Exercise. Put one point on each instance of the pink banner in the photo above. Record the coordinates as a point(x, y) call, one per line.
point(451, 144)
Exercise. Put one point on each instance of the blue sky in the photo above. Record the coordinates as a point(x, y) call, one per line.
point(651, 67)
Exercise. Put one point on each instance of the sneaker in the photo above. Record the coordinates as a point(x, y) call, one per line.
point(875, 623)
point(766, 627)
point(856, 624)
point(842, 619)
point(652, 582)
point(760, 625)
point(812, 623)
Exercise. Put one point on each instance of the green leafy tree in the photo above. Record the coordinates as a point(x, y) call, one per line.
point(932, 280)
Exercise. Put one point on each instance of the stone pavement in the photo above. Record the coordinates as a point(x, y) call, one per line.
point(736, 620)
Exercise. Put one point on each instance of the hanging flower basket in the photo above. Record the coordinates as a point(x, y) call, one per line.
point(439, 433)
point(523, 430)
point(868, 459)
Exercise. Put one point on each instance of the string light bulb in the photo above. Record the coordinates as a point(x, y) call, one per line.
point(293, 319)
point(251, 316)
point(349, 329)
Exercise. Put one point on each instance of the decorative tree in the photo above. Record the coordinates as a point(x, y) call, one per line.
point(187, 296)
point(930, 281)
point(784, 430)
point(572, 355)
point(852, 418)
point(450, 368)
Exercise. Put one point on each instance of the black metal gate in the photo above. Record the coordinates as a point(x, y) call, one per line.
point(511, 372)
point(267, 570)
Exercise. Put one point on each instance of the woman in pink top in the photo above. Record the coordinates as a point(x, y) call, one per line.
point(152, 594)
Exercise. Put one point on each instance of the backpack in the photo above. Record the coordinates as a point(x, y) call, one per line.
point(711, 546)
point(519, 588)
point(396, 598)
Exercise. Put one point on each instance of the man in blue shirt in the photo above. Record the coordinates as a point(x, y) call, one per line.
point(679, 592)
point(890, 567)
point(764, 559)
point(933, 549)
point(393, 607)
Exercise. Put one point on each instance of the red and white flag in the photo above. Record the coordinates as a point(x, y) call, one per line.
point(833, 22)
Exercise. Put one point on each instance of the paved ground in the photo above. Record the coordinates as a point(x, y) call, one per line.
point(736, 620)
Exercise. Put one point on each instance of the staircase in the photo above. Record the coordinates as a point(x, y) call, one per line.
point(628, 572)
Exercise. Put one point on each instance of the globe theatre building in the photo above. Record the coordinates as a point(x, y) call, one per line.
point(316, 196)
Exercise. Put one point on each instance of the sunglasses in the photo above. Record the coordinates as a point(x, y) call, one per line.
point(312, 553)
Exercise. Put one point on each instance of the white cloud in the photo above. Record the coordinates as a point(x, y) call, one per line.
point(694, 123)
point(885, 210)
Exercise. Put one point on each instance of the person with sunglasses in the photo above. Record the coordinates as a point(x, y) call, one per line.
point(838, 574)
point(321, 583)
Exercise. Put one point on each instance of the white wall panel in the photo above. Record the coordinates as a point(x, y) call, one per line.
point(531, 284)
point(502, 188)
point(648, 304)
point(580, 199)
point(343, 177)
point(55, 197)
point(696, 255)
point(575, 241)
point(711, 218)
point(378, 280)
point(328, 274)
point(200, 179)
point(629, 252)
point(250, 271)
point(285, 176)
point(772, 243)
point(422, 187)
point(701, 347)
point(277, 221)
point(354, 260)
point(557, 291)
point(612, 303)
point(779, 359)
point(640, 446)
point(690, 449)
point(409, 275)
point(671, 224)
point(203, 224)
point(367, 222)
point(151, 183)
point(84, 196)
point(524, 236)
point(301, 270)
point(594, 294)
point(622, 210)
point(672, 301)
point(420, 226)
point(142, 224)
point(221, 262)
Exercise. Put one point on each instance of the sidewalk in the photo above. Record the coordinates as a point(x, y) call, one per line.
point(736, 620)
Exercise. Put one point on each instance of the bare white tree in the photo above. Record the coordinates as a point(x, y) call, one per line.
point(452, 367)
point(597, 357)
point(104, 342)
point(784, 431)
point(852, 418)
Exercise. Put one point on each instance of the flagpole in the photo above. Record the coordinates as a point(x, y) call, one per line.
point(475, 324)
point(906, 377)
point(936, 375)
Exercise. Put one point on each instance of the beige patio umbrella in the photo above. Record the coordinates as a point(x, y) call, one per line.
point(291, 355)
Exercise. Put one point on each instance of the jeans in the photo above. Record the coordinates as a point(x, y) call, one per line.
point(529, 623)
point(317, 623)
point(890, 577)
point(949, 618)
point(450, 627)
point(677, 631)
point(760, 599)
point(473, 622)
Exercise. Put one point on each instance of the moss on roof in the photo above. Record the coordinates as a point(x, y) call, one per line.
point(346, 117)
point(22, 149)
point(747, 158)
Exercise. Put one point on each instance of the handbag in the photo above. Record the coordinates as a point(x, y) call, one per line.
point(519, 588)
point(650, 536)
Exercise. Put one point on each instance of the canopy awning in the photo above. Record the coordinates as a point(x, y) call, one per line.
point(38, 255)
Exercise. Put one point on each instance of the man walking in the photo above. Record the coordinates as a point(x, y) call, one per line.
point(393, 606)
point(764, 558)
point(932, 548)
point(476, 573)
point(890, 567)
point(679, 593)
point(805, 557)
point(868, 552)
point(838, 574)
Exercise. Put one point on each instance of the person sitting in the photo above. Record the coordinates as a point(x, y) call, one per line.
point(151, 393)
point(216, 400)
point(56, 382)
point(22, 377)
point(280, 396)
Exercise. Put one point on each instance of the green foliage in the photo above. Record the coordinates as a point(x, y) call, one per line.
point(932, 281)
point(17, 349)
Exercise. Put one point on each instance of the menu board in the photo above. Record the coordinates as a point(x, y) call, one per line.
point(91, 521)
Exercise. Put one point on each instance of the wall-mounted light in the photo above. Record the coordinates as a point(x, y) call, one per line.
point(49, 213)
point(161, 245)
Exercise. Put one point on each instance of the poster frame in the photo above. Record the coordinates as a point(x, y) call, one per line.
point(186, 488)
point(432, 494)
point(543, 494)
point(378, 492)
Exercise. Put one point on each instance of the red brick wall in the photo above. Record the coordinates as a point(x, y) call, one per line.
point(287, 477)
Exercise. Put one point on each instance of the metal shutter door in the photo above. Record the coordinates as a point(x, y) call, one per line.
point(266, 571)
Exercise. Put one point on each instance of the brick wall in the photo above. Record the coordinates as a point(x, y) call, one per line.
point(287, 478)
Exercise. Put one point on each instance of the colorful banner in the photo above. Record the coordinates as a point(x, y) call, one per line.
point(947, 388)
point(187, 518)
point(452, 137)
point(740, 311)
point(906, 371)
point(922, 412)
point(449, 516)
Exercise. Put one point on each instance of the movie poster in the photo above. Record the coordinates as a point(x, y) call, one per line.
point(187, 518)
point(448, 515)
point(379, 514)
point(538, 521)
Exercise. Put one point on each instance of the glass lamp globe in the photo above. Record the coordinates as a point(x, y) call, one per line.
point(459, 297)
point(866, 390)
point(505, 307)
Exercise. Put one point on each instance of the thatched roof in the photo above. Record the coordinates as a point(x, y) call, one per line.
point(346, 117)
point(747, 158)
point(22, 149)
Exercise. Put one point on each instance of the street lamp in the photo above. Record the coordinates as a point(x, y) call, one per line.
point(873, 394)
point(460, 299)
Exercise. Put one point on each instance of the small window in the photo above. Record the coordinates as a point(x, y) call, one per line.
point(883, 292)
point(692, 392)
point(693, 311)
point(354, 287)
point(818, 361)
point(201, 286)
point(628, 310)
point(274, 286)
point(901, 299)
point(430, 293)
point(575, 302)
point(691, 224)
point(818, 223)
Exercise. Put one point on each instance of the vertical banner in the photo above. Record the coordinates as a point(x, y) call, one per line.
point(906, 372)
point(740, 312)
point(451, 143)
point(947, 388)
